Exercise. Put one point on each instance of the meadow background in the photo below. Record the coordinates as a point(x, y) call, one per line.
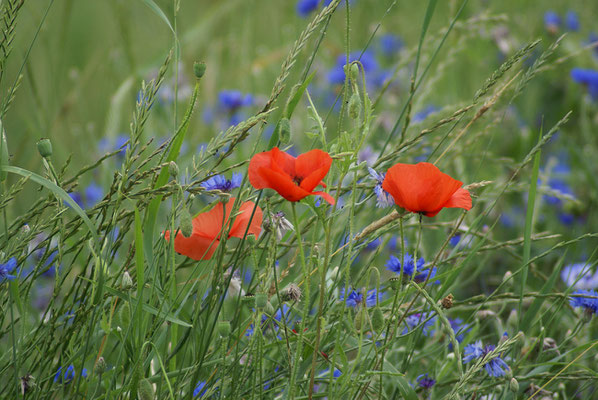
point(103, 308)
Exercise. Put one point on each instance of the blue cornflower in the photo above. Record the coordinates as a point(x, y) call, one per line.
point(336, 75)
point(587, 77)
point(384, 198)
point(454, 241)
point(552, 21)
point(355, 298)
point(336, 373)
point(425, 382)
point(420, 116)
point(414, 320)
point(93, 194)
point(77, 198)
point(7, 268)
point(200, 389)
point(419, 278)
point(231, 100)
point(390, 44)
point(559, 186)
point(572, 21)
point(219, 182)
point(589, 304)
point(305, 7)
point(495, 367)
point(67, 376)
point(374, 244)
point(459, 328)
point(394, 265)
point(580, 276)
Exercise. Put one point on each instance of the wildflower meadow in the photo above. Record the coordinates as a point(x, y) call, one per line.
point(298, 199)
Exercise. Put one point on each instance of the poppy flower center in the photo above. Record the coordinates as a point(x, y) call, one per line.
point(297, 180)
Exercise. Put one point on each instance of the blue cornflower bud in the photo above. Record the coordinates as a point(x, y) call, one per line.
point(7, 268)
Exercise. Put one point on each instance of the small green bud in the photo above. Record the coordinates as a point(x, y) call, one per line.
point(514, 385)
point(261, 299)
point(284, 130)
point(146, 390)
point(44, 146)
point(173, 169)
point(199, 69)
point(186, 224)
point(249, 298)
point(126, 281)
point(378, 319)
point(223, 328)
point(354, 72)
point(100, 366)
point(354, 106)
point(124, 316)
point(360, 319)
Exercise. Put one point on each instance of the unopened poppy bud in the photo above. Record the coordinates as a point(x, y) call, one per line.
point(223, 328)
point(100, 366)
point(378, 319)
point(284, 130)
point(291, 293)
point(44, 147)
point(354, 106)
point(261, 299)
point(146, 390)
point(354, 71)
point(124, 316)
point(126, 282)
point(173, 169)
point(513, 319)
point(447, 302)
point(360, 319)
point(186, 224)
point(514, 385)
point(199, 69)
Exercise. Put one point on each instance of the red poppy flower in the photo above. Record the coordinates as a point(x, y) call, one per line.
point(207, 228)
point(293, 178)
point(422, 188)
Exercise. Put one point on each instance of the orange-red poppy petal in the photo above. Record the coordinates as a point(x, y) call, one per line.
point(312, 167)
point(209, 223)
point(257, 163)
point(242, 221)
point(460, 199)
point(196, 247)
point(326, 197)
point(283, 184)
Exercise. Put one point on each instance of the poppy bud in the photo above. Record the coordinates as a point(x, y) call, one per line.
point(360, 319)
point(354, 106)
point(124, 316)
point(378, 319)
point(514, 385)
point(126, 282)
point(284, 130)
point(223, 328)
point(291, 293)
point(185, 223)
point(199, 69)
point(44, 146)
point(173, 169)
point(354, 72)
point(146, 390)
point(100, 366)
point(261, 299)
